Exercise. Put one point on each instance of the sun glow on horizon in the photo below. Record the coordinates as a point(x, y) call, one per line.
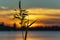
point(42, 14)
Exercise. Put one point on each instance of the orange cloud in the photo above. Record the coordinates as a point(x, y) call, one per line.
point(43, 11)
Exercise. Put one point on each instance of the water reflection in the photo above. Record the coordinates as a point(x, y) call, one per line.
point(32, 35)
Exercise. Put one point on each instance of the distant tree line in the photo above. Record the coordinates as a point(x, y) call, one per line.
point(40, 28)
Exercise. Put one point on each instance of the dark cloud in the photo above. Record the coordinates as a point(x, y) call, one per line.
point(49, 21)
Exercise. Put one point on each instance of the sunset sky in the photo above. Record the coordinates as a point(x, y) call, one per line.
point(47, 12)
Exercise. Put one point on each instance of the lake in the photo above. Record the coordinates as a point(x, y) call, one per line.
point(32, 35)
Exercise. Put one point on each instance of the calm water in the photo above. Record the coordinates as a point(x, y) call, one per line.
point(32, 35)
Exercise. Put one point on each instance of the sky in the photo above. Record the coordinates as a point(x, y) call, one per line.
point(31, 3)
point(41, 3)
point(47, 12)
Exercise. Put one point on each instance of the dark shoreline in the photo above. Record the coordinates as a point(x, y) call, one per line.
point(40, 28)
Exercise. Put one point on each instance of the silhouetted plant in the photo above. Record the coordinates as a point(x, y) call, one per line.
point(24, 22)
